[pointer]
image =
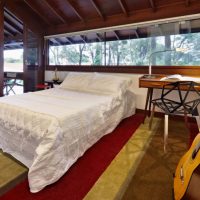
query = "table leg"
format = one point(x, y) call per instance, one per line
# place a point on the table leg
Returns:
point(148, 102)
point(150, 99)
point(147, 98)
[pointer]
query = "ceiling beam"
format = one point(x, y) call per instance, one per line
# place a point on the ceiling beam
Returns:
point(54, 40)
point(60, 41)
point(13, 46)
point(70, 40)
point(9, 30)
point(6, 32)
point(30, 4)
point(50, 43)
point(116, 35)
point(28, 17)
point(100, 38)
point(83, 37)
point(8, 21)
point(57, 41)
point(97, 9)
point(123, 7)
point(75, 10)
point(134, 17)
point(152, 3)
point(57, 13)
point(8, 14)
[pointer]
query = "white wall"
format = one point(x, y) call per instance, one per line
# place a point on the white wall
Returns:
point(139, 92)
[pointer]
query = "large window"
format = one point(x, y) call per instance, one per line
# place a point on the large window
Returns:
point(132, 46)
point(77, 54)
point(13, 60)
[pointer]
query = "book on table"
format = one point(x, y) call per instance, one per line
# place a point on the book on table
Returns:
point(178, 77)
point(173, 77)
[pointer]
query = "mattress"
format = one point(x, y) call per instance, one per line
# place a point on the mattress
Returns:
point(49, 130)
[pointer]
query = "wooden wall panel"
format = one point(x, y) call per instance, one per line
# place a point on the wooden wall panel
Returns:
point(1, 45)
point(41, 59)
point(184, 70)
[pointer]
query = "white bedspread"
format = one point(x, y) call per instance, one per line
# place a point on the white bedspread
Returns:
point(49, 130)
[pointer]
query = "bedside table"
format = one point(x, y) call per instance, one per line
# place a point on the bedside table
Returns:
point(42, 87)
point(51, 83)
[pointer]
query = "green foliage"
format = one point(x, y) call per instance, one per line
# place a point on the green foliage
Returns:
point(131, 52)
point(98, 55)
point(12, 60)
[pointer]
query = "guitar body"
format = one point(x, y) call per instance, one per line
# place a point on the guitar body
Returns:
point(184, 171)
point(193, 191)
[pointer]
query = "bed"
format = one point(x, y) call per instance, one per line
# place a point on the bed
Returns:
point(49, 130)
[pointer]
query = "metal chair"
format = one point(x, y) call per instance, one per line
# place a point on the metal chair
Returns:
point(182, 104)
point(10, 81)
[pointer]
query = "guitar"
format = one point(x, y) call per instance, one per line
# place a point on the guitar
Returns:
point(184, 171)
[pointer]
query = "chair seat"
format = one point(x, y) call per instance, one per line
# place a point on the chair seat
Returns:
point(169, 106)
point(182, 104)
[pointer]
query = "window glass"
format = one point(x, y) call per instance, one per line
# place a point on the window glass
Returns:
point(13, 60)
point(167, 44)
point(77, 54)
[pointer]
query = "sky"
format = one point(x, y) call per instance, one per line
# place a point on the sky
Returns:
point(15, 53)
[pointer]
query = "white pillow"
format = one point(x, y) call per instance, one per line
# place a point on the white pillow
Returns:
point(77, 81)
point(103, 83)
point(95, 82)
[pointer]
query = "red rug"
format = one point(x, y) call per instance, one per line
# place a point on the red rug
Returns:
point(76, 183)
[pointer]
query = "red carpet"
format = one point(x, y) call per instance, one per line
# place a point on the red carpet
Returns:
point(75, 184)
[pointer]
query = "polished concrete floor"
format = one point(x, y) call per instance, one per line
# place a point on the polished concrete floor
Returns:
point(141, 170)
point(154, 176)
point(11, 172)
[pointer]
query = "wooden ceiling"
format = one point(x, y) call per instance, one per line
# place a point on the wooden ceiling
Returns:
point(51, 17)
point(13, 31)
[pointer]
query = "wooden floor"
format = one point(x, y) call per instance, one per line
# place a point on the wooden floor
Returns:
point(154, 176)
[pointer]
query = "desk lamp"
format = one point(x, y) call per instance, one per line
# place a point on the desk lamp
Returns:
point(155, 52)
point(55, 78)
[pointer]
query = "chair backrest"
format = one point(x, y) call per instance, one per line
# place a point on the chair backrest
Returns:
point(182, 104)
